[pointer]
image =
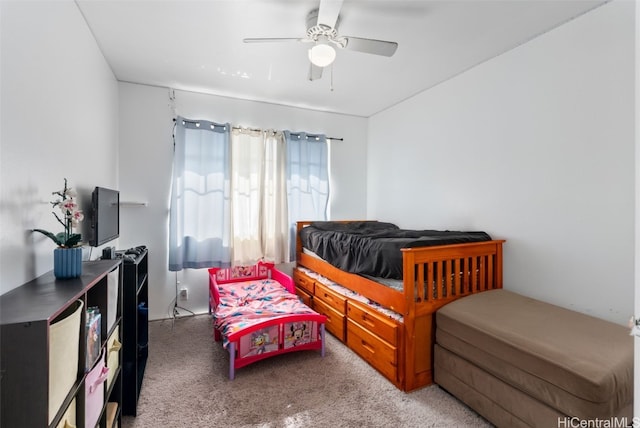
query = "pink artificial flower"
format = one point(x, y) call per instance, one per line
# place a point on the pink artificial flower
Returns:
point(68, 206)
point(76, 217)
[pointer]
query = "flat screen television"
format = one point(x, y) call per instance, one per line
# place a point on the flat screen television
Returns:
point(105, 218)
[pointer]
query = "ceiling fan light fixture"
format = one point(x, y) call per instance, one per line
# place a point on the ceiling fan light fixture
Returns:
point(322, 54)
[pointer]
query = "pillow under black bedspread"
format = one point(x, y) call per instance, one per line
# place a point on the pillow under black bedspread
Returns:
point(373, 248)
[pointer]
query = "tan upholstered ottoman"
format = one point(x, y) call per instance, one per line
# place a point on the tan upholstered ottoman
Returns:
point(522, 362)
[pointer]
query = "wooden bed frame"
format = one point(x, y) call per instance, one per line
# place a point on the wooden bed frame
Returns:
point(276, 326)
point(479, 265)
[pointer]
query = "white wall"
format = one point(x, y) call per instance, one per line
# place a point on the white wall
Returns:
point(536, 147)
point(58, 119)
point(636, 355)
point(146, 150)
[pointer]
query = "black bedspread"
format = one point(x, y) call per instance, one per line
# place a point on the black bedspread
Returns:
point(373, 248)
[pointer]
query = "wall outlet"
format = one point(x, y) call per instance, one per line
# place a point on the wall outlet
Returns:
point(184, 293)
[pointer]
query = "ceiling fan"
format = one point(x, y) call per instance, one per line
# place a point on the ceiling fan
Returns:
point(322, 32)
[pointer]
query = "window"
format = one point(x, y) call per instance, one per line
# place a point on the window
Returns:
point(237, 194)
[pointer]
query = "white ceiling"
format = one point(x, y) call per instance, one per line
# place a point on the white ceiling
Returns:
point(198, 45)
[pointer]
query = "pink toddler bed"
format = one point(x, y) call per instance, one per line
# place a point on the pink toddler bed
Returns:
point(257, 314)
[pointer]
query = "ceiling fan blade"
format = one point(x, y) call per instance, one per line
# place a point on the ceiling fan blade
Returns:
point(372, 46)
point(328, 12)
point(275, 39)
point(315, 72)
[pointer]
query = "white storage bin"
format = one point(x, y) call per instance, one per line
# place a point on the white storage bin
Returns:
point(113, 354)
point(112, 297)
point(64, 340)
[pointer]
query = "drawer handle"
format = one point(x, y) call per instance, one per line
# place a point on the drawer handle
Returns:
point(115, 347)
point(103, 376)
point(367, 321)
point(368, 347)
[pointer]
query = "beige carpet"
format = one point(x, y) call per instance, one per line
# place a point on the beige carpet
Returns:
point(186, 385)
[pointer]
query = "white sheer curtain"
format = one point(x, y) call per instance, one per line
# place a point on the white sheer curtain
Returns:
point(199, 218)
point(258, 195)
point(275, 226)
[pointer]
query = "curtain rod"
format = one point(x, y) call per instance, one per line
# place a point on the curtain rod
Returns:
point(328, 138)
point(256, 129)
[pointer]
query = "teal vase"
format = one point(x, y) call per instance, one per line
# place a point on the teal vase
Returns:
point(67, 262)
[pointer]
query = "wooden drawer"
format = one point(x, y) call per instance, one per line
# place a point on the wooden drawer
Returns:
point(368, 318)
point(303, 281)
point(374, 350)
point(331, 298)
point(335, 320)
point(306, 297)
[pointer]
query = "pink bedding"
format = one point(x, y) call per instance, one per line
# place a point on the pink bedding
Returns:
point(243, 304)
